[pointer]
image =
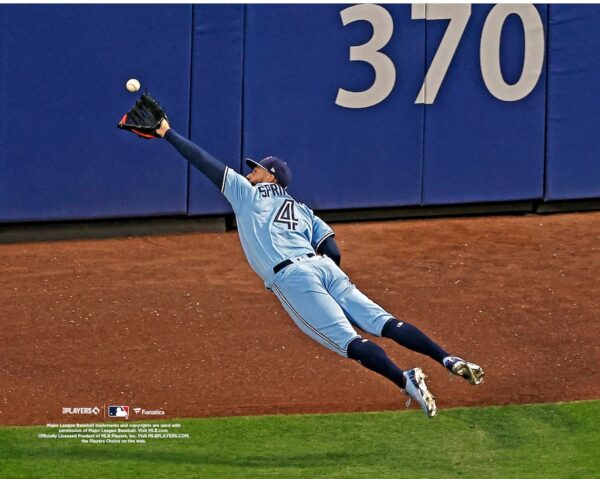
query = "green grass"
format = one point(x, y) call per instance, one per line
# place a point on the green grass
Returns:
point(533, 441)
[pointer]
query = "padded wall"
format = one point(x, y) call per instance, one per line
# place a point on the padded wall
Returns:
point(62, 75)
point(258, 80)
point(479, 148)
point(296, 59)
point(573, 165)
point(216, 97)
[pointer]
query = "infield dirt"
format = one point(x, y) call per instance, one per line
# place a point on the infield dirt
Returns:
point(183, 324)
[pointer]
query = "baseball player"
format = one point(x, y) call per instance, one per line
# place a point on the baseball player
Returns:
point(296, 255)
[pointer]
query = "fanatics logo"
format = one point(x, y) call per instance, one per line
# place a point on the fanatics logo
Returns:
point(153, 412)
point(149, 412)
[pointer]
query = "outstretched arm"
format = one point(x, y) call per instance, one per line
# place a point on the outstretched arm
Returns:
point(204, 161)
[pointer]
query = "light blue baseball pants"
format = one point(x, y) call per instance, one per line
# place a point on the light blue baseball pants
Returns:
point(325, 305)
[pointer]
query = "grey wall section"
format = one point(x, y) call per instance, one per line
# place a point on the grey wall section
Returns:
point(573, 156)
point(296, 59)
point(216, 97)
point(62, 76)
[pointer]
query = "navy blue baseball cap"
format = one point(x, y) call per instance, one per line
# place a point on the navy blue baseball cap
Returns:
point(276, 166)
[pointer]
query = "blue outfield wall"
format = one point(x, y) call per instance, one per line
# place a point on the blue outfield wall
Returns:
point(332, 89)
point(62, 74)
point(340, 157)
point(216, 97)
point(479, 148)
point(573, 154)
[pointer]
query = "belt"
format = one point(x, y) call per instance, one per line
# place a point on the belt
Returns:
point(284, 264)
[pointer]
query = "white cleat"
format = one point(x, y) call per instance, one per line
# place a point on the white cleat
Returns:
point(470, 371)
point(417, 389)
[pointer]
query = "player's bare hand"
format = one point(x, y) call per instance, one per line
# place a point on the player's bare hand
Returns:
point(164, 127)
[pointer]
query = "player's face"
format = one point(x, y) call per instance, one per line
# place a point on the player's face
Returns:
point(260, 175)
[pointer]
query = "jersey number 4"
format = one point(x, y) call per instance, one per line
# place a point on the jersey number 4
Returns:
point(287, 215)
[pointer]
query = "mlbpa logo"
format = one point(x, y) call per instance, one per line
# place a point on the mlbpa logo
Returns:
point(81, 410)
point(118, 411)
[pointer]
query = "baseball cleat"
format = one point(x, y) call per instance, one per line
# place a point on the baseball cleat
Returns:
point(470, 371)
point(417, 389)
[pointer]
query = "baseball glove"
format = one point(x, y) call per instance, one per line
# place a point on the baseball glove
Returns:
point(144, 118)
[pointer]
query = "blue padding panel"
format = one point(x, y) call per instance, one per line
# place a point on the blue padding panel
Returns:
point(479, 148)
point(216, 97)
point(62, 71)
point(573, 158)
point(296, 58)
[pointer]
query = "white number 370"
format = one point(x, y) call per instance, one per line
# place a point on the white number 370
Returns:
point(458, 14)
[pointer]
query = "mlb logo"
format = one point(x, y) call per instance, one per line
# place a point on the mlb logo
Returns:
point(118, 411)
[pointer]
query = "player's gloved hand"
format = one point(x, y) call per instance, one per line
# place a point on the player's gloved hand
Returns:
point(145, 118)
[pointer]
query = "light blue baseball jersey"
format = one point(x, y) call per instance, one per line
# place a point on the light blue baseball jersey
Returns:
point(272, 226)
point(316, 293)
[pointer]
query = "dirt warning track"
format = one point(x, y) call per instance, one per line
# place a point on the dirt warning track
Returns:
point(183, 324)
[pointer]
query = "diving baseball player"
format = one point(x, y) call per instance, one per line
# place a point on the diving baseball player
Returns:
point(295, 254)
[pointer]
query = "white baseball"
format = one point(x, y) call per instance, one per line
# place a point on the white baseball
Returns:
point(132, 85)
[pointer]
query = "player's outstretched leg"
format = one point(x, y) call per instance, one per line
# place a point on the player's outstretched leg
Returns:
point(411, 337)
point(414, 339)
point(373, 357)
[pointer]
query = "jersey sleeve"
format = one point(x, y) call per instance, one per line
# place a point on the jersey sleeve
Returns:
point(321, 231)
point(236, 188)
